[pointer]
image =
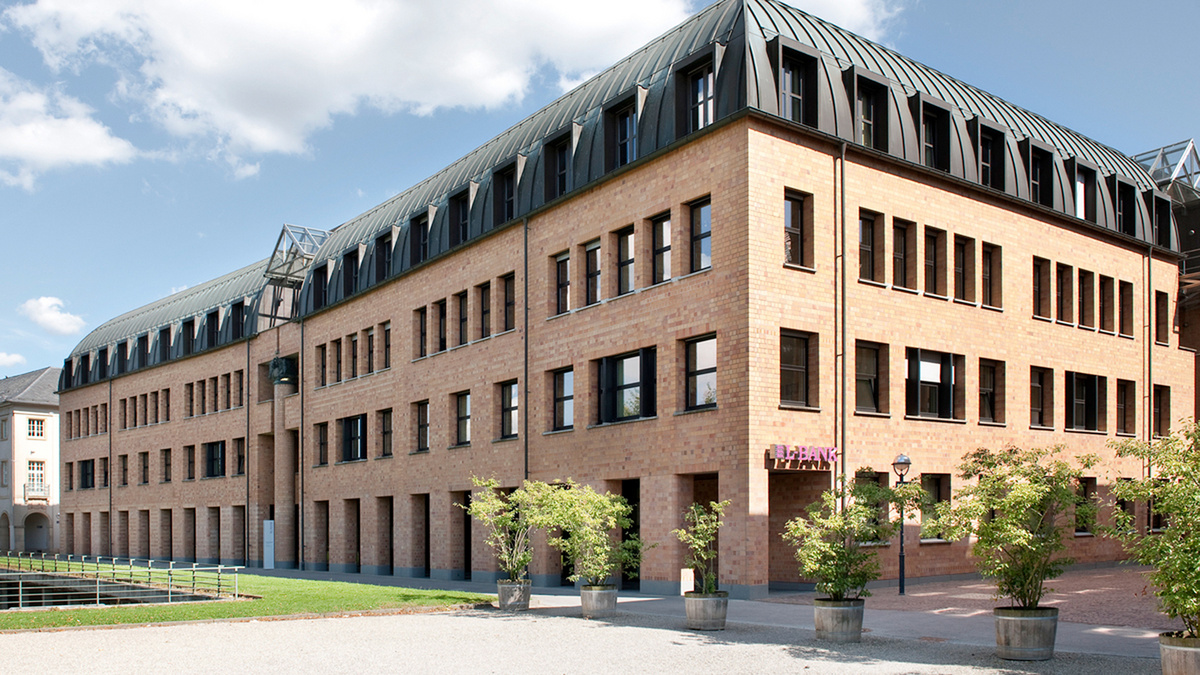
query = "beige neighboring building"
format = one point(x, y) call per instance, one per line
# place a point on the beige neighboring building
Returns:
point(29, 461)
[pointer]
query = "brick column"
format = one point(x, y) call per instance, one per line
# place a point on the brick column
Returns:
point(285, 481)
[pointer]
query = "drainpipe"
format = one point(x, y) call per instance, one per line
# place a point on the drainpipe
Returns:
point(108, 429)
point(842, 303)
point(246, 454)
point(1148, 469)
point(300, 451)
point(525, 347)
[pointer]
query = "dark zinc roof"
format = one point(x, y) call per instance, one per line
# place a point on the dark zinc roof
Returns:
point(35, 387)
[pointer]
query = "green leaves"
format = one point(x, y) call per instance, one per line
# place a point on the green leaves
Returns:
point(700, 536)
point(1015, 502)
point(1173, 490)
point(509, 526)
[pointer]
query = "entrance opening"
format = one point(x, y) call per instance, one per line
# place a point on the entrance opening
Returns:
point(37, 532)
point(387, 549)
point(631, 490)
point(788, 493)
point(353, 538)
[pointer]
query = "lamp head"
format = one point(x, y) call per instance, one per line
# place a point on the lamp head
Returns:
point(901, 465)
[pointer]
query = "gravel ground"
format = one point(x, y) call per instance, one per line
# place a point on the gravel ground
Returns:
point(489, 641)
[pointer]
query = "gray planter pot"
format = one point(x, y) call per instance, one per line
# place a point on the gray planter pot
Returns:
point(514, 596)
point(1025, 634)
point(706, 611)
point(838, 620)
point(598, 602)
point(1180, 656)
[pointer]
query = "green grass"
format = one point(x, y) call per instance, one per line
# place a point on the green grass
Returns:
point(279, 597)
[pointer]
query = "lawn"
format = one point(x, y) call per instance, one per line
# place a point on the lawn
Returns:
point(277, 597)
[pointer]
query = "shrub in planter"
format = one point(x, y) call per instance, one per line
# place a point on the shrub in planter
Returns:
point(581, 524)
point(507, 519)
point(705, 605)
point(829, 543)
point(1016, 503)
point(1173, 490)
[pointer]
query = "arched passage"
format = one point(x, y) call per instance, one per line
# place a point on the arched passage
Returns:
point(5, 533)
point(37, 532)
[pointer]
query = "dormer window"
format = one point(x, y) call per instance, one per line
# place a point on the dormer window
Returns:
point(318, 288)
point(558, 168)
point(870, 114)
point(935, 137)
point(505, 189)
point(1085, 193)
point(418, 239)
point(701, 95)
point(991, 158)
point(620, 129)
point(1126, 208)
point(460, 218)
point(793, 90)
point(349, 273)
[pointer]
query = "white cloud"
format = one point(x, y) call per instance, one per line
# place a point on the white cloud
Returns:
point(9, 360)
point(869, 18)
point(43, 129)
point(47, 313)
point(259, 77)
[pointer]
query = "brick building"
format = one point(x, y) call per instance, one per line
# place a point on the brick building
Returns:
point(641, 287)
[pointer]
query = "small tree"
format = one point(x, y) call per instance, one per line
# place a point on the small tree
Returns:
point(509, 526)
point(1016, 503)
point(1173, 490)
point(700, 536)
point(829, 539)
point(581, 524)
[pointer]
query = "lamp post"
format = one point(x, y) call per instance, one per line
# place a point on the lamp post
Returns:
point(901, 465)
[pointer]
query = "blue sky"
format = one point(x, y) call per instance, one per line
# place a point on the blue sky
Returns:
point(149, 146)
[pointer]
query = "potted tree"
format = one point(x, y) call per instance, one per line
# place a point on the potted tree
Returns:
point(829, 543)
point(581, 523)
point(1173, 549)
point(1015, 503)
point(706, 606)
point(507, 519)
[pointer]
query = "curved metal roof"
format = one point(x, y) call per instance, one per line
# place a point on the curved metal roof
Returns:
point(194, 301)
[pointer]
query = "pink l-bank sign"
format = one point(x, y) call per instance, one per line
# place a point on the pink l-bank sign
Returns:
point(804, 453)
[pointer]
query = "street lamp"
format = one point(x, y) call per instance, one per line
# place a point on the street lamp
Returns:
point(901, 465)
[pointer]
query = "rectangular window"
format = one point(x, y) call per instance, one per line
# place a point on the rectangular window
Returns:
point(564, 399)
point(701, 98)
point(1087, 299)
point(1041, 397)
point(1162, 318)
point(510, 301)
point(87, 474)
point(933, 388)
point(439, 309)
point(68, 474)
point(866, 247)
point(793, 78)
point(991, 391)
point(349, 273)
point(37, 427)
point(1126, 308)
point(872, 115)
point(1162, 410)
point(558, 168)
point(937, 487)
point(387, 345)
point(239, 454)
point(102, 362)
point(935, 132)
point(354, 438)
point(370, 349)
point(990, 276)
point(462, 418)
point(189, 452)
point(460, 218)
point(352, 348)
point(505, 196)
point(322, 367)
point(37, 476)
point(164, 345)
point(1085, 194)
point(1041, 288)
point(385, 432)
point(421, 426)
point(187, 336)
point(701, 236)
point(320, 282)
point(336, 347)
point(1085, 523)
point(508, 409)
point(418, 239)
point(935, 262)
point(1126, 407)
point(627, 386)
point(702, 373)
point(794, 369)
point(237, 318)
point(103, 472)
point(460, 302)
point(1064, 291)
point(592, 274)
point(144, 466)
point(166, 465)
point(562, 274)
point(1125, 196)
point(901, 253)
point(124, 470)
point(661, 227)
point(143, 351)
point(421, 317)
point(383, 257)
point(868, 394)
point(991, 158)
point(1107, 316)
point(122, 358)
point(625, 258)
point(964, 269)
point(321, 432)
point(1041, 170)
point(484, 293)
point(214, 459)
point(212, 326)
point(795, 240)
point(624, 128)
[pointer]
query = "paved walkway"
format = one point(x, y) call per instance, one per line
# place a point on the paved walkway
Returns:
point(1103, 611)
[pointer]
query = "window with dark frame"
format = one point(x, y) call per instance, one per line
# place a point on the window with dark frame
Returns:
point(1085, 522)
point(931, 387)
point(1064, 291)
point(509, 409)
point(558, 168)
point(1126, 308)
point(793, 230)
point(1040, 172)
point(505, 196)
point(124, 470)
point(510, 301)
point(320, 283)
point(1162, 318)
point(422, 316)
point(352, 345)
point(866, 246)
point(625, 261)
point(564, 399)
point(866, 377)
point(370, 349)
point(702, 373)
point(935, 132)
point(166, 465)
point(350, 273)
point(900, 243)
point(1085, 194)
point(421, 419)
point(1126, 407)
point(460, 218)
point(239, 457)
point(87, 474)
point(562, 274)
point(793, 369)
point(485, 310)
point(990, 276)
point(462, 416)
point(383, 257)
point(661, 229)
point(701, 98)
point(103, 472)
point(387, 345)
point(991, 158)
point(592, 273)
point(322, 366)
point(1126, 208)
point(1107, 318)
point(189, 452)
point(336, 346)
point(961, 286)
point(872, 115)
point(1162, 411)
point(354, 438)
point(794, 79)
point(418, 242)
point(214, 459)
point(439, 309)
point(988, 409)
point(701, 213)
point(937, 487)
point(624, 125)
point(627, 386)
point(1087, 299)
point(164, 345)
point(144, 468)
point(122, 358)
point(933, 282)
point(1041, 398)
point(1041, 288)
point(385, 433)
point(460, 301)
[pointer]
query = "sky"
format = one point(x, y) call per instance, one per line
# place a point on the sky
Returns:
point(149, 146)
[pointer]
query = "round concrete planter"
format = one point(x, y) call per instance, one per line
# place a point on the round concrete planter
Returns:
point(706, 611)
point(514, 595)
point(1025, 634)
point(838, 620)
point(1180, 655)
point(598, 602)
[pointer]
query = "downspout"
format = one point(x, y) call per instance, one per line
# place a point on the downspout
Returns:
point(108, 430)
point(1151, 321)
point(525, 346)
point(300, 451)
point(842, 302)
point(246, 454)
